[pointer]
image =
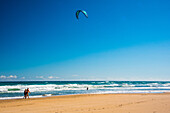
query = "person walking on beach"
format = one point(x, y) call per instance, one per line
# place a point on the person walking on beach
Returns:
point(25, 93)
point(28, 91)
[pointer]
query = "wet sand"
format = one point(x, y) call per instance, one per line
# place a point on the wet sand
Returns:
point(90, 103)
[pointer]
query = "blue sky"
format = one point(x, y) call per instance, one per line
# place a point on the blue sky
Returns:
point(121, 40)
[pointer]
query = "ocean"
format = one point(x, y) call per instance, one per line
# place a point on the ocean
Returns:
point(15, 90)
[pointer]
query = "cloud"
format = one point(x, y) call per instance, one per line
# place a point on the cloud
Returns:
point(3, 76)
point(22, 77)
point(12, 76)
point(51, 77)
point(39, 77)
point(8, 77)
point(75, 75)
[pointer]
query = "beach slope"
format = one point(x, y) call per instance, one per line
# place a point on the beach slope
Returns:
point(90, 103)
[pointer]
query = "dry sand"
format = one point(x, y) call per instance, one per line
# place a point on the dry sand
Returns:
point(90, 103)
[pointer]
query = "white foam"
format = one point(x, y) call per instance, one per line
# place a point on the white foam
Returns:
point(47, 95)
point(128, 85)
point(167, 84)
point(135, 91)
point(96, 89)
point(19, 97)
point(54, 87)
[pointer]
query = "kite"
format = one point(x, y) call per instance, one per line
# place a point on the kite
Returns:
point(84, 12)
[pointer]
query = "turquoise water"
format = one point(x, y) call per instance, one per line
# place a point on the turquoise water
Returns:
point(12, 90)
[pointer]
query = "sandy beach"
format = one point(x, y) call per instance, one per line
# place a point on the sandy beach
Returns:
point(90, 103)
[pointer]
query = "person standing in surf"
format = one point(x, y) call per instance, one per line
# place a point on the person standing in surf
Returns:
point(25, 93)
point(28, 91)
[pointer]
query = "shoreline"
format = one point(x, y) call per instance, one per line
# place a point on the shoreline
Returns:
point(91, 103)
point(41, 96)
point(80, 95)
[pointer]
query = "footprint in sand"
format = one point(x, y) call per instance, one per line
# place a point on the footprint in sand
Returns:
point(120, 105)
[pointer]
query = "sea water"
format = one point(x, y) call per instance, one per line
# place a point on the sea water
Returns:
point(15, 90)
